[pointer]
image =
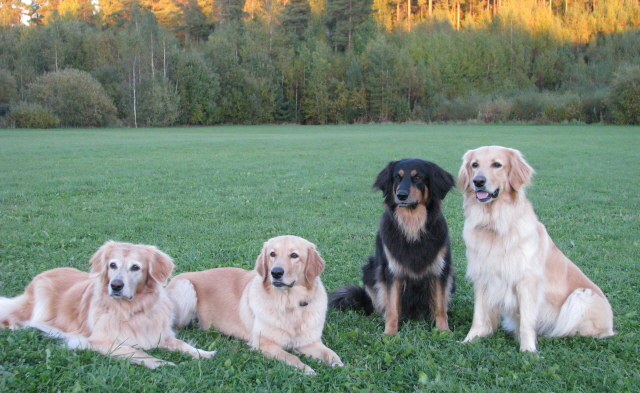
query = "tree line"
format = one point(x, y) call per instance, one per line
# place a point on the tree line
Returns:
point(166, 62)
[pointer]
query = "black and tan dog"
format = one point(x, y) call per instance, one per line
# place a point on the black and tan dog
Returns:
point(411, 274)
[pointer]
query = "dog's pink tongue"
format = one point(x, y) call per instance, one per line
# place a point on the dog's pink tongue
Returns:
point(482, 195)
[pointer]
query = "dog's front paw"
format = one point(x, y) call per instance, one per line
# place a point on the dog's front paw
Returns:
point(476, 332)
point(392, 331)
point(206, 354)
point(470, 337)
point(527, 348)
point(308, 370)
point(155, 363)
point(337, 363)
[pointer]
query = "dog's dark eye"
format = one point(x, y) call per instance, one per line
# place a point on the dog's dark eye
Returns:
point(418, 177)
point(398, 177)
point(496, 165)
point(135, 268)
point(293, 255)
point(273, 254)
point(474, 165)
point(113, 265)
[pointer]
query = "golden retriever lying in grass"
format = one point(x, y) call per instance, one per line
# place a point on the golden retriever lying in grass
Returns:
point(117, 309)
point(279, 306)
point(516, 269)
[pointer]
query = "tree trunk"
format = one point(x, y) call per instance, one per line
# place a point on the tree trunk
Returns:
point(135, 109)
point(153, 68)
point(408, 15)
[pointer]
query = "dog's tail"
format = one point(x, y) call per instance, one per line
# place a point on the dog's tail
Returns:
point(585, 313)
point(351, 297)
point(184, 299)
point(15, 312)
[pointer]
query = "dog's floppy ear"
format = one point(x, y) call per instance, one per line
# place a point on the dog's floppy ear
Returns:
point(464, 175)
point(314, 267)
point(384, 181)
point(262, 263)
point(160, 265)
point(98, 266)
point(441, 181)
point(521, 172)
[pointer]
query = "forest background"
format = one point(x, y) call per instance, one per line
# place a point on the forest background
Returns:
point(83, 63)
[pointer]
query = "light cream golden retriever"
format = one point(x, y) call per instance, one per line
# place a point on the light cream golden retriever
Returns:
point(118, 309)
point(279, 306)
point(516, 269)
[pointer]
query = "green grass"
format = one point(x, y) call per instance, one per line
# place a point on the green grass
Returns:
point(210, 197)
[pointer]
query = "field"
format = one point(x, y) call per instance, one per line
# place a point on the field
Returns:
point(210, 197)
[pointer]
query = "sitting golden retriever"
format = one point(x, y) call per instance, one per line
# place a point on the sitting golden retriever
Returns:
point(279, 306)
point(117, 309)
point(517, 270)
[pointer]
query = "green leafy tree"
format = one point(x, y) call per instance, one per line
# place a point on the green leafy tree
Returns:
point(380, 79)
point(145, 52)
point(247, 76)
point(625, 95)
point(159, 103)
point(8, 87)
point(75, 96)
point(316, 99)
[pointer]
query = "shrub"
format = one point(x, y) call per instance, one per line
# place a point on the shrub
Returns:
point(527, 106)
point(496, 110)
point(26, 115)
point(595, 108)
point(625, 95)
point(75, 97)
point(558, 108)
point(461, 108)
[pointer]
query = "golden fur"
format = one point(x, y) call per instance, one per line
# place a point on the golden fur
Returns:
point(117, 309)
point(279, 306)
point(516, 269)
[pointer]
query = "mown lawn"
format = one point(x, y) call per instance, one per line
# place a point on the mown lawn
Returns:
point(210, 197)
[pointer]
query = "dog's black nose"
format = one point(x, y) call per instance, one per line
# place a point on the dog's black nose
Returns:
point(479, 181)
point(117, 285)
point(402, 195)
point(277, 272)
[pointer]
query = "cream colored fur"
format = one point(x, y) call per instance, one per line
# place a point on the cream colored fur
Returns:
point(84, 309)
point(247, 305)
point(516, 269)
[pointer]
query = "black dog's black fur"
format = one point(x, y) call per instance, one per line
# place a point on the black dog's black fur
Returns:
point(416, 254)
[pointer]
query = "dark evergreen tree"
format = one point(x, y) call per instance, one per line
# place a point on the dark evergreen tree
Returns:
point(294, 18)
point(198, 88)
point(191, 23)
point(342, 17)
point(285, 109)
point(231, 10)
